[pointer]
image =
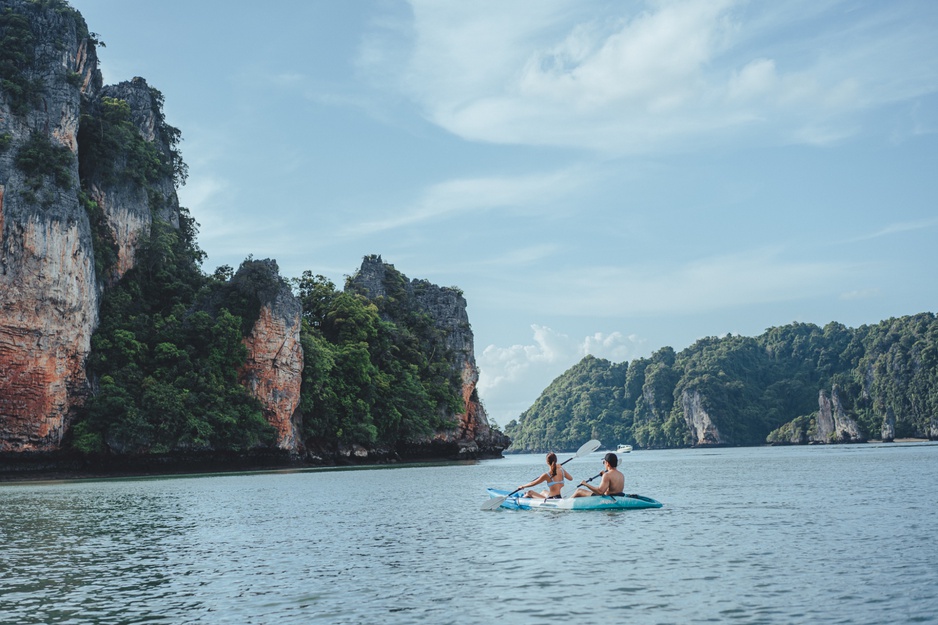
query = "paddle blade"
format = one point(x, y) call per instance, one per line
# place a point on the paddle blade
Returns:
point(588, 447)
point(492, 504)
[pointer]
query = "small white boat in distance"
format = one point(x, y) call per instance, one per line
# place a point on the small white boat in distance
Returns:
point(623, 449)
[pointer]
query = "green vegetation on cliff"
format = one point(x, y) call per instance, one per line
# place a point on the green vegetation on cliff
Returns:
point(113, 149)
point(40, 159)
point(22, 30)
point(752, 390)
point(166, 355)
point(376, 372)
point(166, 368)
point(17, 54)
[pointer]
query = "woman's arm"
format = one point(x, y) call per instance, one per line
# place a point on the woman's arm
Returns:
point(544, 477)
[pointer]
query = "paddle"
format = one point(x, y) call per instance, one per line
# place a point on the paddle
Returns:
point(587, 448)
point(593, 478)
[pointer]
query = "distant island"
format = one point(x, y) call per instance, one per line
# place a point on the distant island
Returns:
point(794, 384)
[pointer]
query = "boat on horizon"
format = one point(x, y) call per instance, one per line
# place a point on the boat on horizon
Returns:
point(623, 449)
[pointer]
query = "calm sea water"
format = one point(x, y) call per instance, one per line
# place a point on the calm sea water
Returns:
point(843, 534)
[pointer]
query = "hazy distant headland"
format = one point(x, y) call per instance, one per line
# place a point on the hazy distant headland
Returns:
point(794, 384)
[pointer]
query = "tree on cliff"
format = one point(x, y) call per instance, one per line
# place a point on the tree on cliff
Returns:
point(368, 380)
point(166, 368)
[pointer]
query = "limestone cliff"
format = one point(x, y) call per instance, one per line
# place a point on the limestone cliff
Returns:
point(48, 291)
point(56, 183)
point(699, 424)
point(87, 173)
point(274, 368)
point(833, 424)
point(830, 424)
point(472, 434)
point(130, 201)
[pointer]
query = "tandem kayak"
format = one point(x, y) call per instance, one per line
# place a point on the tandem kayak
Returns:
point(605, 502)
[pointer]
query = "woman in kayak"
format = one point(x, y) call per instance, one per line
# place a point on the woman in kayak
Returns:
point(554, 477)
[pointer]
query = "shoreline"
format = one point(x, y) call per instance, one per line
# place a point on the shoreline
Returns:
point(64, 466)
point(35, 467)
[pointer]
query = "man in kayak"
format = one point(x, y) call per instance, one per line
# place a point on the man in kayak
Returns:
point(613, 481)
point(554, 477)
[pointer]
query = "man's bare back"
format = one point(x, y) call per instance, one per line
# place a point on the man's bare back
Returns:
point(613, 482)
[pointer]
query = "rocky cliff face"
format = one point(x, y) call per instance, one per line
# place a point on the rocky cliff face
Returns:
point(48, 291)
point(86, 170)
point(447, 307)
point(699, 423)
point(129, 204)
point(830, 424)
point(833, 424)
point(274, 368)
point(49, 283)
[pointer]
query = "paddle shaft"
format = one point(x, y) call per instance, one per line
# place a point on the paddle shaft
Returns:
point(593, 478)
point(587, 448)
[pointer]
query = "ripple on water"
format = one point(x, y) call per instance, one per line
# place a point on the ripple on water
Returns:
point(746, 536)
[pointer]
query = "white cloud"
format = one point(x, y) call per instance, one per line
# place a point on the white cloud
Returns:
point(756, 80)
point(453, 197)
point(513, 377)
point(637, 78)
point(616, 346)
point(897, 228)
point(653, 60)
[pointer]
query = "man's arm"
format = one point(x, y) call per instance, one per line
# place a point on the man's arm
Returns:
point(603, 487)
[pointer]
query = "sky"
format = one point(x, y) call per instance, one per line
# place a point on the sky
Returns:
point(603, 177)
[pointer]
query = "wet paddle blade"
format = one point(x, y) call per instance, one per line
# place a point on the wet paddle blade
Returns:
point(585, 449)
point(491, 504)
point(588, 447)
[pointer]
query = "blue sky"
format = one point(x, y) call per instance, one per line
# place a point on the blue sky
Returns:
point(604, 177)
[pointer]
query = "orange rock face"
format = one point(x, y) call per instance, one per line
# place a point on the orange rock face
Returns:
point(47, 314)
point(48, 291)
point(274, 369)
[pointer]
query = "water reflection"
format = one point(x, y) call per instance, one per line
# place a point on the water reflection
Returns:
point(751, 535)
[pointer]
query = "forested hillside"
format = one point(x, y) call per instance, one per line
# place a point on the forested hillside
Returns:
point(115, 344)
point(376, 371)
point(798, 383)
point(169, 349)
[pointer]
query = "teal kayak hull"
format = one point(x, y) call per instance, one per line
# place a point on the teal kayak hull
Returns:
point(606, 502)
